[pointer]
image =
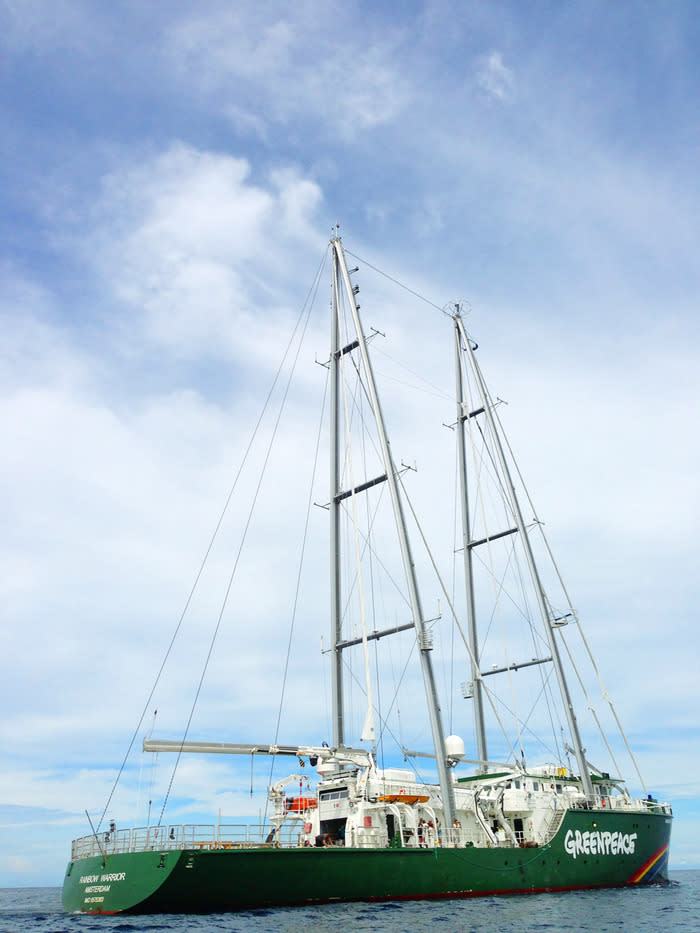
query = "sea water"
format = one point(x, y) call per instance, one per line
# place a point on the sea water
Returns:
point(652, 909)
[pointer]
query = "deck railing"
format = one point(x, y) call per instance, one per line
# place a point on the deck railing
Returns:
point(182, 836)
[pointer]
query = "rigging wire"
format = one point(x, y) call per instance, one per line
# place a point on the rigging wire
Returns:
point(302, 320)
point(455, 549)
point(216, 532)
point(384, 720)
point(379, 701)
point(369, 519)
point(604, 691)
point(452, 610)
point(368, 731)
point(199, 573)
point(298, 580)
point(208, 550)
point(593, 711)
point(431, 390)
point(397, 282)
point(525, 728)
point(368, 546)
point(496, 584)
point(537, 641)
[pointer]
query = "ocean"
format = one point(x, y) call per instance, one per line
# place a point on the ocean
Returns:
point(652, 909)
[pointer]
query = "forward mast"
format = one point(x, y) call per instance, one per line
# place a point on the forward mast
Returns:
point(341, 280)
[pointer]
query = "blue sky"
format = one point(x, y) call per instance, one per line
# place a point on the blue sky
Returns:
point(169, 176)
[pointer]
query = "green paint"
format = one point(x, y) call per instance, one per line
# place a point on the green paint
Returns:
point(191, 881)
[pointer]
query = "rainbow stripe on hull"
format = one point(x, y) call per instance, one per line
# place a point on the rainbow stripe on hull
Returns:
point(654, 869)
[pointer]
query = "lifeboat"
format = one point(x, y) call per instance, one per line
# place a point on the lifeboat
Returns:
point(405, 798)
point(299, 804)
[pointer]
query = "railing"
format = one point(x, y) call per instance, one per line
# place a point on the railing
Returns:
point(651, 804)
point(473, 835)
point(183, 836)
point(554, 823)
point(619, 802)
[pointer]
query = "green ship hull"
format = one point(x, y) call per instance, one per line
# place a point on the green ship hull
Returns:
point(591, 849)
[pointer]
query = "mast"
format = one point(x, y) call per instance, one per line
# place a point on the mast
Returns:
point(336, 611)
point(487, 405)
point(422, 638)
point(477, 689)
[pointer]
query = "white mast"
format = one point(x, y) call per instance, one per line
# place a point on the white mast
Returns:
point(422, 637)
point(477, 686)
point(336, 611)
point(549, 622)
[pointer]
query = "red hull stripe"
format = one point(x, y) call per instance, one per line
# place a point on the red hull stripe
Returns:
point(650, 864)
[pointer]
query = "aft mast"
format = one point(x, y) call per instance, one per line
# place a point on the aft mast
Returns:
point(342, 275)
point(549, 622)
point(477, 687)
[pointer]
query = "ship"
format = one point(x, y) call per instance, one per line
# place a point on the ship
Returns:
point(353, 823)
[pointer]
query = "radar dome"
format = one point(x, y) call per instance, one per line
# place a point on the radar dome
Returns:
point(454, 746)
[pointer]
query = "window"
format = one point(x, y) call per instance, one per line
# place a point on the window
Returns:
point(337, 794)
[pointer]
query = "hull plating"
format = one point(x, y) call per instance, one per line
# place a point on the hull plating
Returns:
point(591, 849)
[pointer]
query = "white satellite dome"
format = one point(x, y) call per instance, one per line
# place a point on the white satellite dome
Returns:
point(454, 747)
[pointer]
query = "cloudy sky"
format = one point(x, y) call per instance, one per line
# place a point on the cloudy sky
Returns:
point(169, 178)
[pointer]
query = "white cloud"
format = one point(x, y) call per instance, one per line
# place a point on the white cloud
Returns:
point(237, 55)
point(110, 492)
point(189, 242)
point(493, 77)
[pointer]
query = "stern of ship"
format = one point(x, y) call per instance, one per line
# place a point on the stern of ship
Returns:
point(115, 883)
